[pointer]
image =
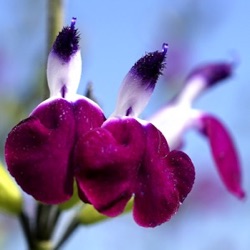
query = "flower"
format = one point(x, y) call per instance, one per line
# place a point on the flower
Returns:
point(178, 116)
point(67, 138)
point(38, 150)
point(131, 157)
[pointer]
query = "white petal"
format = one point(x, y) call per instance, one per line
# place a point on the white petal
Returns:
point(63, 76)
point(173, 121)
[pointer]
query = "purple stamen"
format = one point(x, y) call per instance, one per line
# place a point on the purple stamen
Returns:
point(165, 48)
point(63, 91)
point(129, 111)
point(73, 22)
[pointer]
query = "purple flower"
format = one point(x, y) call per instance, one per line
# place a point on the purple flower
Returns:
point(177, 117)
point(67, 138)
point(38, 150)
point(128, 157)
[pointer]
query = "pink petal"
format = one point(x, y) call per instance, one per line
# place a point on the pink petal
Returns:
point(164, 180)
point(106, 162)
point(37, 152)
point(224, 154)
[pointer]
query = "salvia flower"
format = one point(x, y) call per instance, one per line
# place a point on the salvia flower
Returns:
point(38, 150)
point(178, 116)
point(67, 138)
point(128, 157)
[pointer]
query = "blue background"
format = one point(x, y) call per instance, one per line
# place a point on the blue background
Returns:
point(114, 35)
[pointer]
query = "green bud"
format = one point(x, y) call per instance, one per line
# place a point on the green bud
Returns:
point(74, 200)
point(89, 215)
point(10, 196)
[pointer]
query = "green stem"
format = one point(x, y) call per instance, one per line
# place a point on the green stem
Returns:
point(55, 23)
point(73, 225)
point(54, 217)
point(42, 222)
point(24, 221)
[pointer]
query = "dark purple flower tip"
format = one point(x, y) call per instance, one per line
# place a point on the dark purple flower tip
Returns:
point(224, 154)
point(149, 67)
point(67, 42)
point(212, 73)
point(39, 150)
point(139, 83)
point(106, 161)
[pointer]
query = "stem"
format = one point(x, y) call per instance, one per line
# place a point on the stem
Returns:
point(55, 23)
point(54, 217)
point(24, 221)
point(73, 225)
point(42, 222)
point(55, 17)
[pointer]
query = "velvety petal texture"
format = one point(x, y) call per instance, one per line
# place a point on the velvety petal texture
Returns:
point(38, 150)
point(224, 153)
point(106, 162)
point(125, 158)
point(164, 180)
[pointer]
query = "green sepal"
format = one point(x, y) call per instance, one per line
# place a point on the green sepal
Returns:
point(11, 199)
point(74, 200)
point(89, 215)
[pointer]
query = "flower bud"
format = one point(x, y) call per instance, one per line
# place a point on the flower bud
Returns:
point(10, 196)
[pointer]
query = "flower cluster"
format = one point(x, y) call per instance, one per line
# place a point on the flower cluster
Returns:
point(67, 139)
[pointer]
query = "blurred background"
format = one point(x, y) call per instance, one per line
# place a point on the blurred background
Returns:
point(114, 34)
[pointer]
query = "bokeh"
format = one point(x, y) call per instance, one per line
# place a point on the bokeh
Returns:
point(114, 34)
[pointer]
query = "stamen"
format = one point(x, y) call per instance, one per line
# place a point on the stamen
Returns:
point(73, 22)
point(63, 91)
point(129, 111)
point(165, 48)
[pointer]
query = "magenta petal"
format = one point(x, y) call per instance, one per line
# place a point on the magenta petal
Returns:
point(106, 162)
point(184, 172)
point(224, 154)
point(37, 152)
point(87, 116)
point(164, 180)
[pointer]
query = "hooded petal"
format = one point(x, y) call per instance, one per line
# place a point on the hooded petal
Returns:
point(202, 78)
point(163, 182)
point(37, 152)
point(139, 83)
point(106, 162)
point(211, 73)
point(224, 153)
point(64, 63)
